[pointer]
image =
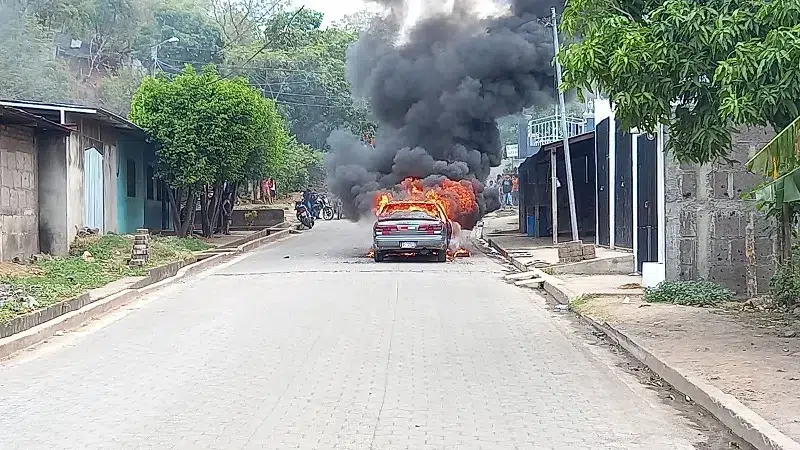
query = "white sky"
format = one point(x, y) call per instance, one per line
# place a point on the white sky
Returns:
point(336, 9)
point(333, 9)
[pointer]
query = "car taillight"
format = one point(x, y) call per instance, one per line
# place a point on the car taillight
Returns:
point(385, 229)
point(430, 229)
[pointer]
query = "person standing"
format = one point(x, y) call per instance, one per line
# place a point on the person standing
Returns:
point(507, 187)
point(264, 186)
point(499, 185)
point(273, 190)
point(227, 214)
point(515, 190)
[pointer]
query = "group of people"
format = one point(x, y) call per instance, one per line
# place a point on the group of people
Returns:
point(267, 190)
point(508, 189)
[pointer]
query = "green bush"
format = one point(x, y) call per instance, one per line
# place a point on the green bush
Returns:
point(689, 293)
point(784, 287)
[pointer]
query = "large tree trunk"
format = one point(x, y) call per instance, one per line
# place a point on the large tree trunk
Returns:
point(182, 211)
point(216, 204)
point(210, 208)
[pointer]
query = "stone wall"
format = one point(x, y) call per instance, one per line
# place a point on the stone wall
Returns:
point(711, 233)
point(19, 223)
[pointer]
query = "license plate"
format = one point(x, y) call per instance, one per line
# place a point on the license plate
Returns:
point(408, 245)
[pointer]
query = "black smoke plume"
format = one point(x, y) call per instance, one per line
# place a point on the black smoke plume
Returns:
point(437, 97)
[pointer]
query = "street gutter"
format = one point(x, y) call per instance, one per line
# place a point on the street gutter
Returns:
point(741, 420)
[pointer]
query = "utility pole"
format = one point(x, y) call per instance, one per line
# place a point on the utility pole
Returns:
point(554, 194)
point(567, 161)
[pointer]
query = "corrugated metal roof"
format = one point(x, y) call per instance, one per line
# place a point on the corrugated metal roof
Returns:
point(19, 117)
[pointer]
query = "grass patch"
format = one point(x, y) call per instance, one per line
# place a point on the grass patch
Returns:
point(688, 293)
point(57, 279)
point(578, 303)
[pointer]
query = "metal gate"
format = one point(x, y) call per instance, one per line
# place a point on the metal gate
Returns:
point(647, 209)
point(601, 158)
point(623, 190)
point(93, 189)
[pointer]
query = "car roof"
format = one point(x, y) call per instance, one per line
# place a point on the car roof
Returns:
point(426, 202)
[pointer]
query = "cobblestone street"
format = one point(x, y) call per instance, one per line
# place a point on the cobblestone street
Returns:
point(308, 344)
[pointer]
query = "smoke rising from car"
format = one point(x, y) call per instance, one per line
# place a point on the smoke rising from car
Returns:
point(437, 96)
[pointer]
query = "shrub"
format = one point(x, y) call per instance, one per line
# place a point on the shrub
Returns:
point(784, 287)
point(689, 293)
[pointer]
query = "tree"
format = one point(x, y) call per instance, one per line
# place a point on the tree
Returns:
point(296, 170)
point(115, 91)
point(59, 15)
point(199, 40)
point(207, 129)
point(361, 21)
point(239, 20)
point(29, 70)
point(112, 27)
point(302, 68)
point(701, 68)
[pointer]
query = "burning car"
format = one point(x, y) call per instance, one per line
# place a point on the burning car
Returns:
point(411, 227)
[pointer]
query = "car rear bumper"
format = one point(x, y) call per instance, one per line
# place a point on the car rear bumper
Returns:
point(394, 243)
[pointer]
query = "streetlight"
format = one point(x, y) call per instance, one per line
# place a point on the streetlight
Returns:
point(154, 51)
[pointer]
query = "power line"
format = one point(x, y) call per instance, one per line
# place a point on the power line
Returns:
point(326, 97)
point(231, 66)
point(285, 102)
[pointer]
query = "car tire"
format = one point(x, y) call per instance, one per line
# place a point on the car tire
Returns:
point(442, 256)
point(378, 257)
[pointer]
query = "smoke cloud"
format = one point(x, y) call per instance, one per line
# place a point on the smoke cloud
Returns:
point(437, 97)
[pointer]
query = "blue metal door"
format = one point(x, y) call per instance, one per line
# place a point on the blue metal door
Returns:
point(93, 189)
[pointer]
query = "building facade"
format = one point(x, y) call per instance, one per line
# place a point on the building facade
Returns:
point(93, 177)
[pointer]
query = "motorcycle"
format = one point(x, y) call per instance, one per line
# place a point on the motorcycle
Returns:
point(323, 207)
point(303, 215)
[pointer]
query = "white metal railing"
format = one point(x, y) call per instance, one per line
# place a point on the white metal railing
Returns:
point(548, 129)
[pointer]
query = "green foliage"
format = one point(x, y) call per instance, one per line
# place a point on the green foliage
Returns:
point(701, 68)
point(302, 68)
point(294, 172)
point(688, 293)
point(58, 279)
point(199, 40)
point(784, 287)
point(114, 92)
point(29, 69)
point(207, 128)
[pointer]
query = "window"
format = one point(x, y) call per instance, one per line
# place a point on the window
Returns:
point(131, 178)
point(151, 183)
point(161, 191)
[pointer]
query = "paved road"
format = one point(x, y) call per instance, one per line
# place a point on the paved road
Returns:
point(325, 349)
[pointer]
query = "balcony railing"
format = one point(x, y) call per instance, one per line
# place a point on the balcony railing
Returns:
point(548, 129)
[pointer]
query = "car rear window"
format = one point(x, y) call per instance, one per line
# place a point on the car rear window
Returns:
point(407, 215)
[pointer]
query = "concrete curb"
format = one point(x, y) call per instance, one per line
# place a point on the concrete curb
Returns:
point(113, 300)
point(741, 420)
point(552, 285)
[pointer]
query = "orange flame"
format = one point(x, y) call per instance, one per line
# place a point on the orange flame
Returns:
point(457, 198)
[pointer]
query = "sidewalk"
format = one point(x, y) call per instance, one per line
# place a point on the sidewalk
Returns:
point(741, 364)
point(70, 308)
point(753, 356)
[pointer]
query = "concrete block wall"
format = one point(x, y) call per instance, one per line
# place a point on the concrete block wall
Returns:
point(19, 200)
point(711, 233)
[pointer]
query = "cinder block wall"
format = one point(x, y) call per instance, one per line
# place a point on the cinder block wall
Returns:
point(19, 221)
point(711, 233)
